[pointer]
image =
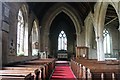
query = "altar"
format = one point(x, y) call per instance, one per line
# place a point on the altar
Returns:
point(62, 54)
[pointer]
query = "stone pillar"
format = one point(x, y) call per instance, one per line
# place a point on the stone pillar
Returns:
point(46, 44)
point(119, 15)
point(77, 42)
point(89, 34)
point(0, 35)
point(30, 46)
point(78, 39)
point(99, 18)
point(119, 23)
point(100, 49)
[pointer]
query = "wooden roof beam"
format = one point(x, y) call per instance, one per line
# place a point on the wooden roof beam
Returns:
point(111, 21)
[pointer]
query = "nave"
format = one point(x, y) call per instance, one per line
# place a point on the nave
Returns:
point(35, 36)
point(42, 69)
point(52, 69)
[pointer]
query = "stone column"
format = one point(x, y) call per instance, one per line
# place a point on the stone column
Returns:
point(77, 42)
point(29, 46)
point(99, 18)
point(78, 39)
point(89, 34)
point(119, 22)
point(0, 35)
point(100, 49)
point(119, 15)
point(46, 44)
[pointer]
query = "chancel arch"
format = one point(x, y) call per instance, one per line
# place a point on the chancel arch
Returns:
point(22, 32)
point(62, 30)
point(52, 13)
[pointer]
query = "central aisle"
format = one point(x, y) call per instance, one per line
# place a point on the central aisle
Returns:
point(62, 71)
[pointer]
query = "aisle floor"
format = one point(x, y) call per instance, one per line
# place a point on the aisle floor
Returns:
point(62, 71)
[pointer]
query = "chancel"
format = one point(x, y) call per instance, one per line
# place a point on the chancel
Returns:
point(62, 45)
point(60, 40)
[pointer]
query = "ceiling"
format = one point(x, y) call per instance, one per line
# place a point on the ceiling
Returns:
point(111, 17)
point(40, 8)
point(83, 8)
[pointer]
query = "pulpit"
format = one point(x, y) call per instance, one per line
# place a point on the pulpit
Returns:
point(82, 52)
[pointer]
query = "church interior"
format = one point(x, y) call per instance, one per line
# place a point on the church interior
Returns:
point(60, 40)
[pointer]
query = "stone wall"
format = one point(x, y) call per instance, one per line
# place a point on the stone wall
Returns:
point(9, 32)
point(0, 35)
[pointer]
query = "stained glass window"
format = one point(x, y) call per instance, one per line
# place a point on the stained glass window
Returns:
point(62, 41)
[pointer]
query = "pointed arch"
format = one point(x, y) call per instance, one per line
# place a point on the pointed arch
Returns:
point(22, 31)
point(35, 42)
point(99, 20)
point(52, 13)
point(100, 13)
point(90, 38)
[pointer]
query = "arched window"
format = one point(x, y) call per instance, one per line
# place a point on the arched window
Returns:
point(107, 42)
point(22, 35)
point(35, 44)
point(62, 41)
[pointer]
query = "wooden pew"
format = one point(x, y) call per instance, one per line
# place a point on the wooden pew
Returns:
point(97, 70)
point(37, 70)
point(84, 73)
point(42, 67)
point(22, 75)
point(49, 65)
point(117, 76)
point(98, 76)
point(11, 78)
point(89, 75)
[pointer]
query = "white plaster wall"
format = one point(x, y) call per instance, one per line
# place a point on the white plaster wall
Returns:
point(92, 54)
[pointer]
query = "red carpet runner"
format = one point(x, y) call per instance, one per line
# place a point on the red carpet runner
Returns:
point(62, 72)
